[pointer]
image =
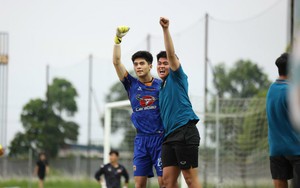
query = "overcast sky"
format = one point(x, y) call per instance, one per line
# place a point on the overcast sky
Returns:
point(62, 34)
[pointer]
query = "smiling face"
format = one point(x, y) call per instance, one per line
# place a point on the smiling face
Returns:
point(141, 67)
point(163, 67)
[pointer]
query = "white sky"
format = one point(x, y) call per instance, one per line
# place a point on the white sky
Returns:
point(62, 33)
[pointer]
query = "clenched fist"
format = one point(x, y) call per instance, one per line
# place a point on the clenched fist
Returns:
point(120, 33)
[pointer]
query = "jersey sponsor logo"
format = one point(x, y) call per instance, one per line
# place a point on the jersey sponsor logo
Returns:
point(146, 102)
point(145, 108)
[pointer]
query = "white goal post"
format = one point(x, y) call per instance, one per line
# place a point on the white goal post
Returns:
point(107, 126)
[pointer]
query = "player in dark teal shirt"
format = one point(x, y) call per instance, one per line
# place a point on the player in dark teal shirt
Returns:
point(284, 141)
point(181, 143)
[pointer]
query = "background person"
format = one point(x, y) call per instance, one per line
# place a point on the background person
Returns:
point(284, 141)
point(41, 169)
point(112, 172)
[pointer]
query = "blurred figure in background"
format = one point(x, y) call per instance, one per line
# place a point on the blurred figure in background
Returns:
point(112, 172)
point(2, 150)
point(41, 169)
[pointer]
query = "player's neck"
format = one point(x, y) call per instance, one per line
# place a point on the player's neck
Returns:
point(281, 77)
point(146, 79)
point(114, 164)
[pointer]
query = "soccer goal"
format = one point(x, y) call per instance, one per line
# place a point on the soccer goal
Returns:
point(108, 124)
point(233, 147)
point(239, 139)
point(117, 114)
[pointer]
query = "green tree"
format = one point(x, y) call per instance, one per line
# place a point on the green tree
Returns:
point(61, 96)
point(44, 127)
point(244, 80)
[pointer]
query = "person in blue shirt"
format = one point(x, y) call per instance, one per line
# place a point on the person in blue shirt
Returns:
point(181, 141)
point(284, 141)
point(143, 93)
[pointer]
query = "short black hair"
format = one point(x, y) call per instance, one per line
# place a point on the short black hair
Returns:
point(282, 64)
point(114, 152)
point(163, 54)
point(143, 54)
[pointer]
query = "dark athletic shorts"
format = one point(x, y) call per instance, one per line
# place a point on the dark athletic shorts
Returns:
point(285, 168)
point(181, 147)
point(41, 176)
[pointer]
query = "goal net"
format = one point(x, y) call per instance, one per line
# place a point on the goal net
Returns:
point(233, 147)
point(238, 133)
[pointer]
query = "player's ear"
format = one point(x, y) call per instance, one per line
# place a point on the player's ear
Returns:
point(150, 66)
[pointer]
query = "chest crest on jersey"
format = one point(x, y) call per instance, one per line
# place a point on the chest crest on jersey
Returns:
point(146, 100)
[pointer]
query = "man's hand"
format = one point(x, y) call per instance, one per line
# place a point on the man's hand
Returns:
point(103, 184)
point(120, 33)
point(164, 22)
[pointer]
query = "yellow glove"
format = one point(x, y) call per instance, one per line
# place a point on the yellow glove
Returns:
point(121, 32)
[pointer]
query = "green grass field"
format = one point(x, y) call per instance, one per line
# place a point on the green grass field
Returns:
point(23, 183)
point(55, 183)
point(76, 183)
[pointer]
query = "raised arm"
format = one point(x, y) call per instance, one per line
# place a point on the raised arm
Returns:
point(172, 58)
point(120, 68)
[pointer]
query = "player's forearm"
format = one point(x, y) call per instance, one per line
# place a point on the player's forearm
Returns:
point(174, 63)
point(120, 69)
point(168, 42)
point(117, 54)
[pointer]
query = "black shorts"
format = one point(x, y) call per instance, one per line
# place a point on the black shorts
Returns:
point(41, 176)
point(181, 147)
point(285, 168)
